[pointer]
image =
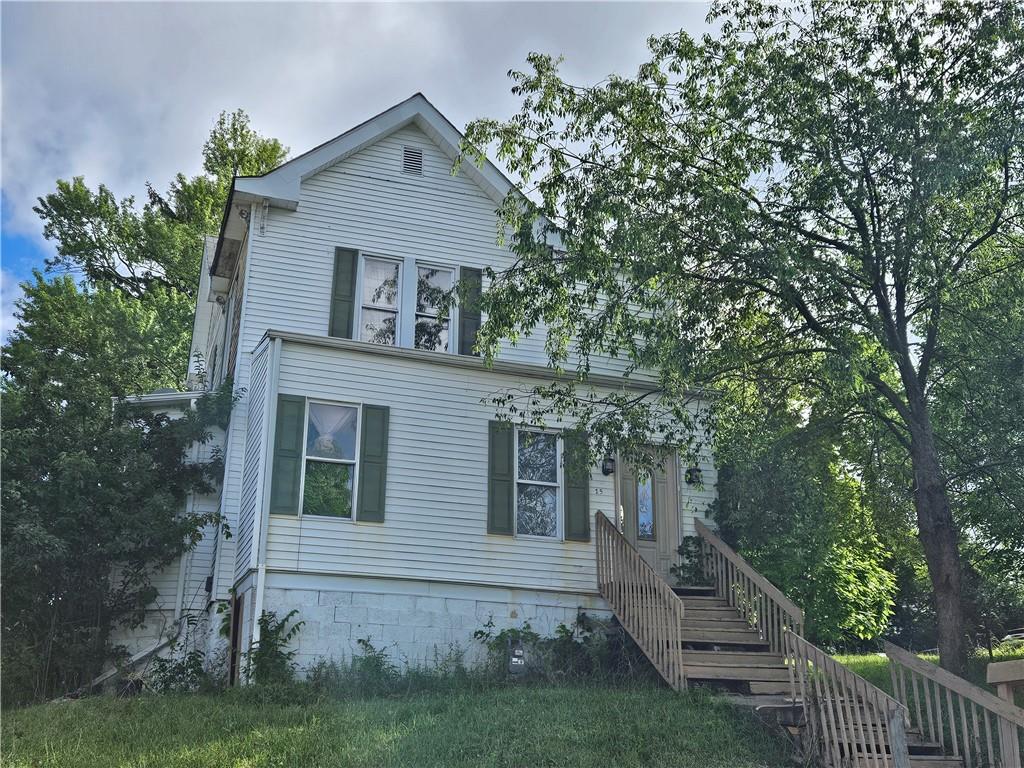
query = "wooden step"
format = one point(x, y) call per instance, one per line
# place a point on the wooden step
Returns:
point(701, 611)
point(933, 761)
point(694, 591)
point(704, 601)
point(728, 645)
point(737, 658)
point(778, 687)
point(693, 621)
point(778, 673)
point(723, 634)
point(915, 747)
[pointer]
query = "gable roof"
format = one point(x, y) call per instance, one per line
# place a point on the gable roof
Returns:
point(281, 186)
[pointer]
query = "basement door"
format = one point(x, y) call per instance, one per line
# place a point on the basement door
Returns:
point(650, 514)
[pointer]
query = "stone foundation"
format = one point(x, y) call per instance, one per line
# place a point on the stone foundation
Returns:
point(415, 623)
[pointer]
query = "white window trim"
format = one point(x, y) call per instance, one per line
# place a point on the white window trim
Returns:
point(354, 464)
point(405, 327)
point(400, 312)
point(453, 319)
point(558, 486)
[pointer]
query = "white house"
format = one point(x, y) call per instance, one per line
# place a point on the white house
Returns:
point(367, 484)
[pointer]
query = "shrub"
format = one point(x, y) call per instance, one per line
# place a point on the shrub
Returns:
point(270, 661)
point(587, 649)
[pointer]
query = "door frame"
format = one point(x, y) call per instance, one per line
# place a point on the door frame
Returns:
point(661, 552)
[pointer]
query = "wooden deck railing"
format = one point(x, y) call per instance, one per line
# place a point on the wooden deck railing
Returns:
point(643, 602)
point(759, 601)
point(971, 723)
point(851, 721)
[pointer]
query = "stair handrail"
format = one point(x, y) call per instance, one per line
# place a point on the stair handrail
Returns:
point(760, 602)
point(642, 600)
point(852, 721)
point(930, 686)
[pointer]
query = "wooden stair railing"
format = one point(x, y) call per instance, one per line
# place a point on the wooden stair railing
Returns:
point(642, 601)
point(851, 721)
point(975, 725)
point(759, 601)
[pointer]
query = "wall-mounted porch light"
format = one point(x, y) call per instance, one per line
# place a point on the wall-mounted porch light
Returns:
point(693, 476)
point(608, 465)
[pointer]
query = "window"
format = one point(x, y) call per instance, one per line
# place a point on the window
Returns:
point(645, 508)
point(432, 285)
point(379, 322)
point(330, 459)
point(537, 469)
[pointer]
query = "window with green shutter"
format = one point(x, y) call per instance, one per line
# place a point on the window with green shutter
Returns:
point(373, 464)
point(577, 486)
point(469, 309)
point(538, 483)
point(343, 293)
point(501, 479)
point(318, 466)
point(286, 472)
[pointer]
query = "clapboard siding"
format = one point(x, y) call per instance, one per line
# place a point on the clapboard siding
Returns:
point(250, 499)
point(234, 440)
point(366, 202)
point(435, 525)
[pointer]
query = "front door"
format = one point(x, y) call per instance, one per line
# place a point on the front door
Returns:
point(650, 517)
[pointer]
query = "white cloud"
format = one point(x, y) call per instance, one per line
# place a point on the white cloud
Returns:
point(10, 292)
point(126, 93)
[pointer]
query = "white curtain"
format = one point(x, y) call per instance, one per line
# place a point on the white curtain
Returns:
point(330, 421)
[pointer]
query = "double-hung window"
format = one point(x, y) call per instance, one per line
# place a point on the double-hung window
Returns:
point(537, 497)
point(433, 284)
point(330, 459)
point(380, 320)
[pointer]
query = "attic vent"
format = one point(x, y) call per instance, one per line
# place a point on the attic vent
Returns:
point(412, 161)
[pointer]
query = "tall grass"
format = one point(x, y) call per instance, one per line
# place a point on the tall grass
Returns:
point(535, 725)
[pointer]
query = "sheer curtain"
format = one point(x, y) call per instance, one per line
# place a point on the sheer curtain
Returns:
point(331, 422)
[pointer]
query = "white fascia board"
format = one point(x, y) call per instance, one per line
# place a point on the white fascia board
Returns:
point(180, 399)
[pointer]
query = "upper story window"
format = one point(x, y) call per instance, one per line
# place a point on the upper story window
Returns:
point(537, 484)
point(401, 302)
point(380, 317)
point(432, 285)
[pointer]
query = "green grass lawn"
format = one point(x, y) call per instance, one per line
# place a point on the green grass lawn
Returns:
point(515, 726)
point(875, 668)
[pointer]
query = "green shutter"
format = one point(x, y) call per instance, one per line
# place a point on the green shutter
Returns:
point(373, 464)
point(286, 476)
point(577, 486)
point(501, 481)
point(343, 293)
point(469, 311)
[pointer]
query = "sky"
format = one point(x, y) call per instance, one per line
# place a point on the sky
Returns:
point(126, 93)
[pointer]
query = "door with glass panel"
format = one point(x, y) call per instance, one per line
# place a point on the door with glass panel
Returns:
point(650, 517)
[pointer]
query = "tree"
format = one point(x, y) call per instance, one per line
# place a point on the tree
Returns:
point(791, 498)
point(93, 498)
point(110, 241)
point(816, 182)
point(93, 492)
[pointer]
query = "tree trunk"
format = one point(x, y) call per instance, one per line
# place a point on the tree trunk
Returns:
point(940, 540)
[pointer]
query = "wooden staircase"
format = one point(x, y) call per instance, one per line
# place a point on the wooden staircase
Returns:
point(741, 636)
point(723, 652)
